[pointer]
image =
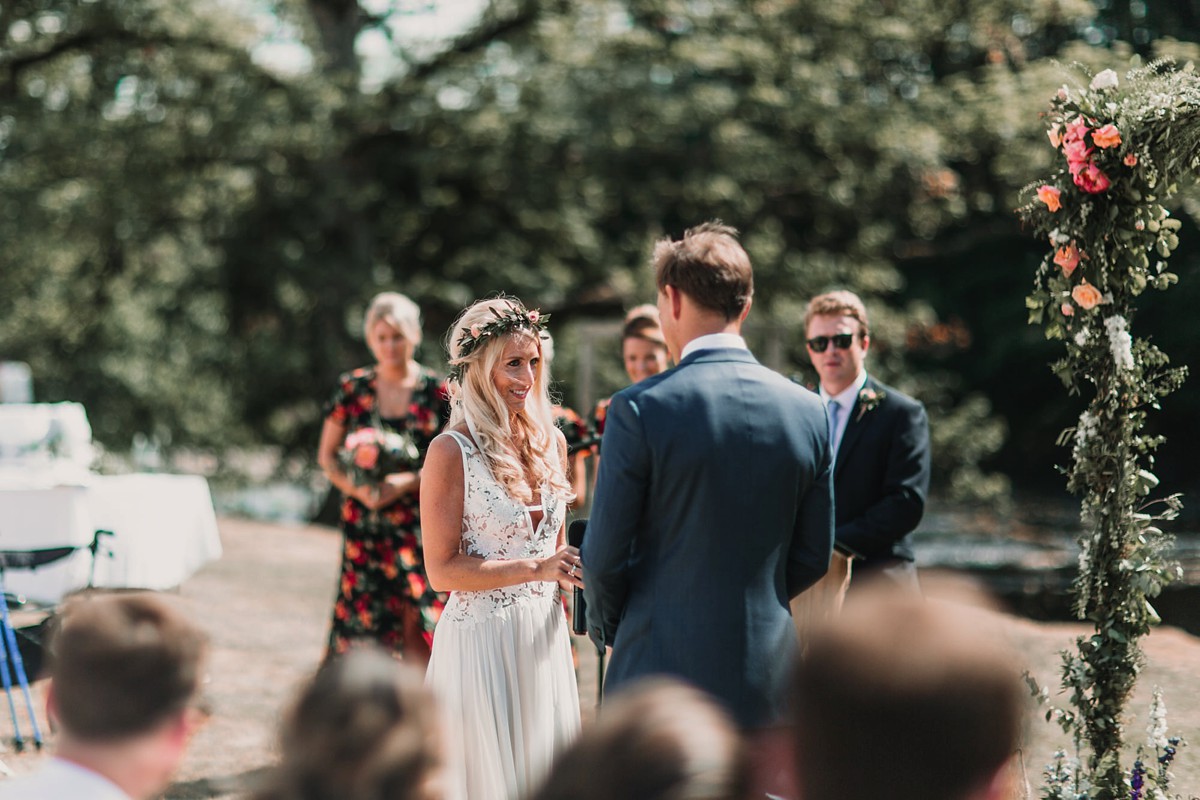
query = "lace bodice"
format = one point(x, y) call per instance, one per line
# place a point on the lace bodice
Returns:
point(498, 526)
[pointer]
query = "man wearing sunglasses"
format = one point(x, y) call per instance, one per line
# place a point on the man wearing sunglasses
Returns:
point(880, 440)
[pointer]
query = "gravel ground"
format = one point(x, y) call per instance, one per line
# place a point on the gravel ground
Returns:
point(265, 604)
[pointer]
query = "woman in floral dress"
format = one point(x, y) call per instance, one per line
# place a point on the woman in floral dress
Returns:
point(383, 594)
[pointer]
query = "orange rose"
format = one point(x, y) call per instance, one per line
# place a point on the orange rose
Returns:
point(1106, 137)
point(1130, 160)
point(1087, 296)
point(1050, 196)
point(1068, 258)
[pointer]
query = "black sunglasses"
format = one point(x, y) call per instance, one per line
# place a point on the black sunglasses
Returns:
point(841, 341)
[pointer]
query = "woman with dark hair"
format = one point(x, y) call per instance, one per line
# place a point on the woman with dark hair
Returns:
point(643, 352)
point(364, 728)
point(659, 740)
point(377, 428)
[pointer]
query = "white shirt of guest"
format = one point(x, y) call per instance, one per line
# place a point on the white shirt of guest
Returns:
point(713, 341)
point(845, 401)
point(59, 779)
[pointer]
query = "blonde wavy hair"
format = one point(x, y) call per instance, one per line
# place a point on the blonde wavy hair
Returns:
point(474, 397)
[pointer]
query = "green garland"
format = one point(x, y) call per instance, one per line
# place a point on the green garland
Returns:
point(1126, 146)
point(514, 317)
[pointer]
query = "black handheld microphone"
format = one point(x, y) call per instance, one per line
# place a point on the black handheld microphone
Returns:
point(575, 533)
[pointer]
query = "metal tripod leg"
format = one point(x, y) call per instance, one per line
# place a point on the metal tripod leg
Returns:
point(18, 739)
point(10, 639)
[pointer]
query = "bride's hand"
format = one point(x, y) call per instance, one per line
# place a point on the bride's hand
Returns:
point(564, 566)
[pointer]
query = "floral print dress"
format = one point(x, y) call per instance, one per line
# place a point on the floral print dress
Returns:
point(383, 573)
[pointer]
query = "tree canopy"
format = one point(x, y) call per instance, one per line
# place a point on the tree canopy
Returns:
point(192, 230)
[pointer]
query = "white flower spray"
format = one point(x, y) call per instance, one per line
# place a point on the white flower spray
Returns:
point(1120, 342)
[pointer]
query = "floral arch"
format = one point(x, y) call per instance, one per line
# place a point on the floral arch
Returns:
point(1126, 145)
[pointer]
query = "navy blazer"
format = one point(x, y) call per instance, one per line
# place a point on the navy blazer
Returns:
point(881, 477)
point(713, 508)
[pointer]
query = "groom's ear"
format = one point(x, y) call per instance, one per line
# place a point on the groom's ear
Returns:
point(674, 301)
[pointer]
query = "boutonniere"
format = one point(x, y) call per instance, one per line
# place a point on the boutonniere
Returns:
point(868, 399)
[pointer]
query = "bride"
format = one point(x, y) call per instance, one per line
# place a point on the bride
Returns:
point(493, 506)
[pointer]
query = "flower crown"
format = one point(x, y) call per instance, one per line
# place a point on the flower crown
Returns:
point(514, 318)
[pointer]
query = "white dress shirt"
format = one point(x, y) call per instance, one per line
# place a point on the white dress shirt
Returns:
point(59, 779)
point(845, 401)
point(713, 341)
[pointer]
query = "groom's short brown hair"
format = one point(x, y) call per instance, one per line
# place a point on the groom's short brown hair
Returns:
point(709, 265)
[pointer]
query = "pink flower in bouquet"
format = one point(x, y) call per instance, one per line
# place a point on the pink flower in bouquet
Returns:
point(1092, 180)
point(1106, 137)
point(366, 456)
point(1077, 151)
point(1087, 296)
point(1056, 135)
point(1068, 310)
point(1050, 195)
point(1068, 258)
point(1076, 130)
point(1130, 160)
point(360, 437)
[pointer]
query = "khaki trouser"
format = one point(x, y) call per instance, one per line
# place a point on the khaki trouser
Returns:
point(822, 601)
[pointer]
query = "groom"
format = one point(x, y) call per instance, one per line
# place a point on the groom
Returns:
point(713, 503)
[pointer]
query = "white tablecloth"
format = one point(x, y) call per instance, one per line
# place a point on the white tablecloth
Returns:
point(164, 529)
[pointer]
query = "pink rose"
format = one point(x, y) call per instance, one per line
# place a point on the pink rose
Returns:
point(366, 457)
point(474, 331)
point(1106, 137)
point(1077, 151)
point(1076, 130)
point(360, 436)
point(534, 315)
point(1068, 310)
point(1087, 296)
point(1130, 160)
point(1067, 258)
point(1050, 195)
point(1092, 180)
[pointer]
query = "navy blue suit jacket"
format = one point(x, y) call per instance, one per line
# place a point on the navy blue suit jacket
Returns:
point(881, 477)
point(713, 509)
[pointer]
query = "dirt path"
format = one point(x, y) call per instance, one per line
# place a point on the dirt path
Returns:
point(265, 604)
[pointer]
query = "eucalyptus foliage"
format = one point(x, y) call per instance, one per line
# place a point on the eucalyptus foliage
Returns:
point(1125, 145)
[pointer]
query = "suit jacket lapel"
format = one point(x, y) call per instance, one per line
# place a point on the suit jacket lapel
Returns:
point(854, 426)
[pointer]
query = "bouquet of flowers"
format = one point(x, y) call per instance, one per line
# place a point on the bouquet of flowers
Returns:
point(369, 454)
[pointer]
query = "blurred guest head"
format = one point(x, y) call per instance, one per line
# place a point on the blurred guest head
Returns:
point(125, 677)
point(392, 328)
point(907, 698)
point(643, 347)
point(705, 283)
point(660, 740)
point(364, 728)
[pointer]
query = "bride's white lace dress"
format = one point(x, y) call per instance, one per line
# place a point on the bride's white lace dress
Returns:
point(501, 666)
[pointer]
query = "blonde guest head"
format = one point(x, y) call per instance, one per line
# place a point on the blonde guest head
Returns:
point(520, 444)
